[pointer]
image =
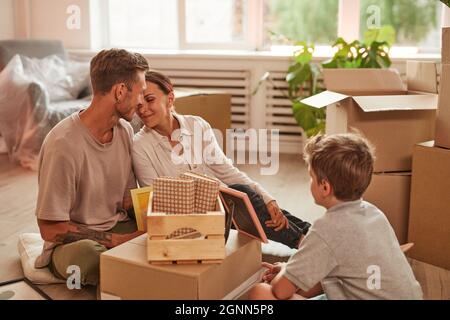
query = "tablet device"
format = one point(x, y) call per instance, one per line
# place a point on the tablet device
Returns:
point(239, 208)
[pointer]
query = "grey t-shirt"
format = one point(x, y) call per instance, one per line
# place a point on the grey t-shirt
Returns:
point(354, 253)
point(82, 180)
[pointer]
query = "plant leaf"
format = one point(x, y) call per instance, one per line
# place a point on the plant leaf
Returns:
point(304, 115)
point(320, 128)
point(330, 64)
point(446, 2)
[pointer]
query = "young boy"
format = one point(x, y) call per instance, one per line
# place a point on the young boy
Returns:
point(351, 252)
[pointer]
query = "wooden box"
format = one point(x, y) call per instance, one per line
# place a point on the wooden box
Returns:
point(210, 248)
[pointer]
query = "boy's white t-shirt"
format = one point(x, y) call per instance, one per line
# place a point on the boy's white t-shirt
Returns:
point(354, 253)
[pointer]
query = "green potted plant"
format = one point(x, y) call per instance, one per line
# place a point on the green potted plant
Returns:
point(302, 74)
point(302, 79)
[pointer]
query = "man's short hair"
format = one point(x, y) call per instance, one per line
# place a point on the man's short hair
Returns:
point(110, 67)
point(344, 160)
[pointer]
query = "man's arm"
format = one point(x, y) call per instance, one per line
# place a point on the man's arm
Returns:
point(127, 202)
point(68, 232)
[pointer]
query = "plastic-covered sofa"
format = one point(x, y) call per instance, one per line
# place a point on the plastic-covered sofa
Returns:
point(29, 117)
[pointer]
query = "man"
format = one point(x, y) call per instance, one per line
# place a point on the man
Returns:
point(85, 171)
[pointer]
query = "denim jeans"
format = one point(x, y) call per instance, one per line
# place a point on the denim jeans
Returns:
point(290, 236)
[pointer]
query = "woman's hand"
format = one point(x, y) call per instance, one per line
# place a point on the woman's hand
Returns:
point(278, 219)
point(272, 271)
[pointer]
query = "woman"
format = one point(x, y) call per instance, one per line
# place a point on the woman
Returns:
point(167, 137)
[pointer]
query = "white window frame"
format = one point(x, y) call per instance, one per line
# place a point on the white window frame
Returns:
point(253, 29)
point(348, 28)
point(349, 19)
point(252, 38)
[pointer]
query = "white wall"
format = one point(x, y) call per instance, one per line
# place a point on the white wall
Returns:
point(48, 20)
point(6, 19)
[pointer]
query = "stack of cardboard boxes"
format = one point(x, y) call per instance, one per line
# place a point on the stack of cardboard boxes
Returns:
point(429, 226)
point(376, 103)
point(443, 119)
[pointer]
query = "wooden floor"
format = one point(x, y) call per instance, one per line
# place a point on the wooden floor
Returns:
point(18, 191)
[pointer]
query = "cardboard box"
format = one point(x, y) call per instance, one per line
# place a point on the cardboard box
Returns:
point(376, 103)
point(442, 138)
point(390, 193)
point(213, 106)
point(446, 45)
point(126, 274)
point(429, 220)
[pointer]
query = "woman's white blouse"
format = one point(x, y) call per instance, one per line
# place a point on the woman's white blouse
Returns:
point(153, 156)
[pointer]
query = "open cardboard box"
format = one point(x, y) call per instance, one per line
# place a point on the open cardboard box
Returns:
point(377, 103)
point(429, 219)
point(126, 274)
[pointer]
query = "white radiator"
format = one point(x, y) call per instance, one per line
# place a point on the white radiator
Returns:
point(236, 83)
point(279, 113)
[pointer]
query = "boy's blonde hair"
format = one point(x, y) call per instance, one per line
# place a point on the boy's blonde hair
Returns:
point(344, 160)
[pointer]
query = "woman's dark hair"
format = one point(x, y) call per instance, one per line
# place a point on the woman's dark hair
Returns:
point(161, 80)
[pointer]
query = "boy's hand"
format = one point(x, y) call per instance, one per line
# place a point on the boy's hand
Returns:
point(272, 271)
point(278, 219)
point(300, 241)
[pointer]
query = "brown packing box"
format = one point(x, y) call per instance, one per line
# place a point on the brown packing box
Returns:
point(126, 274)
point(213, 106)
point(446, 45)
point(376, 103)
point(442, 138)
point(429, 219)
point(390, 193)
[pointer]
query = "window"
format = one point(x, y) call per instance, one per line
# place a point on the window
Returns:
point(215, 21)
point(300, 20)
point(405, 23)
point(265, 24)
point(143, 23)
point(179, 24)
